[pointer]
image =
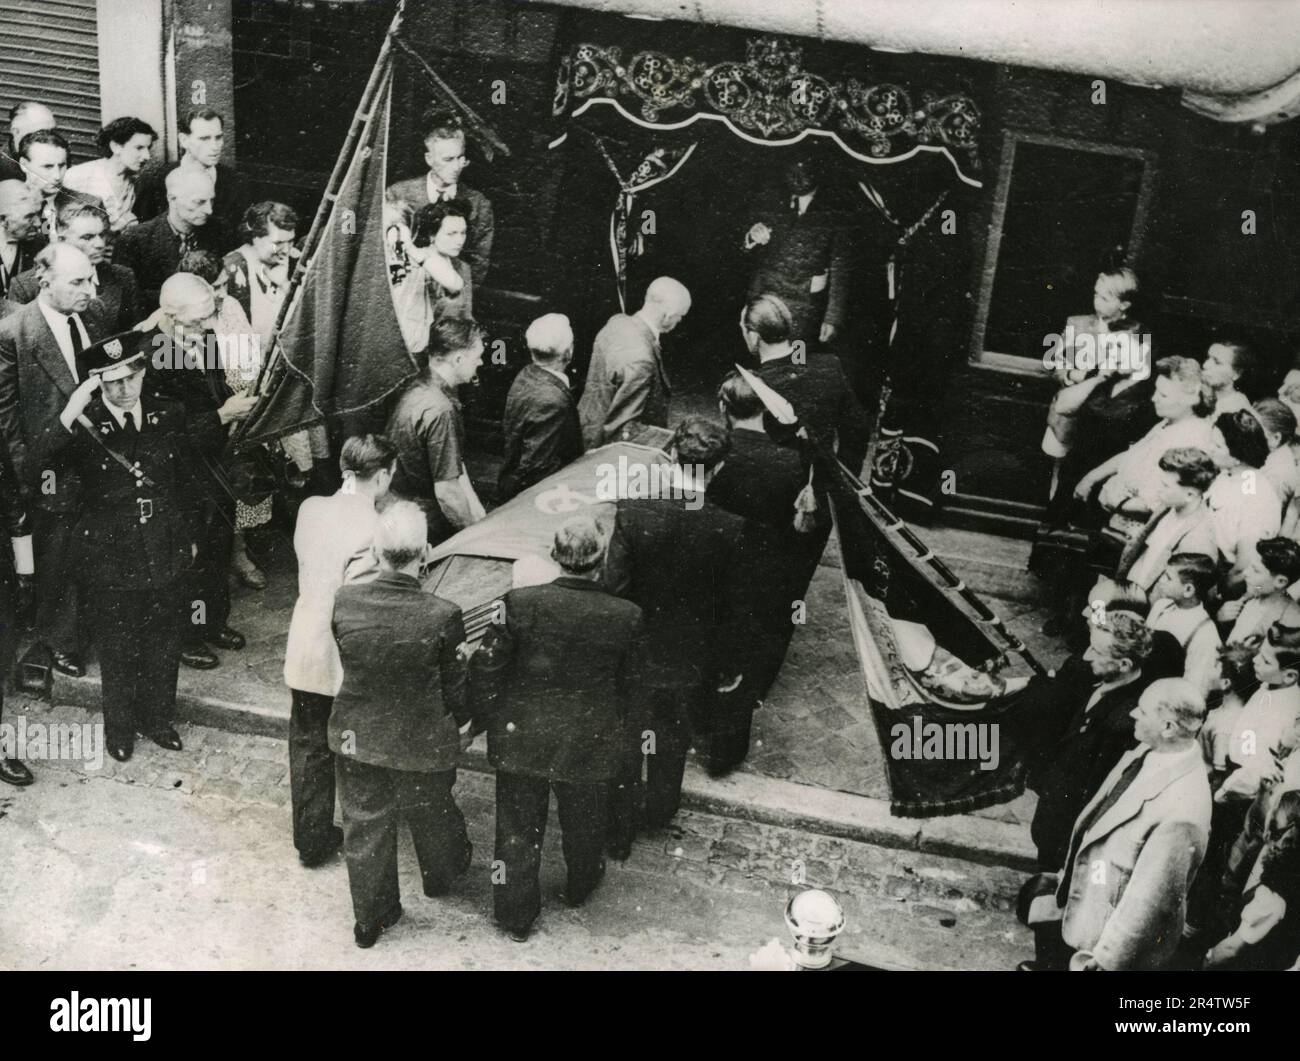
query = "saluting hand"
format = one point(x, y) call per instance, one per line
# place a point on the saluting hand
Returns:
point(78, 402)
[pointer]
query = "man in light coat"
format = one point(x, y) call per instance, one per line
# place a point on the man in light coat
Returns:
point(330, 531)
point(626, 382)
point(1138, 843)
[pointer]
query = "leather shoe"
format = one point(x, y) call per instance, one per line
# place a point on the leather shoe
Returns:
point(519, 935)
point(68, 663)
point(366, 935)
point(442, 889)
point(226, 638)
point(570, 898)
point(166, 737)
point(199, 657)
point(121, 750)
point(1029, 966)
point(15, 772)
point(316, 857)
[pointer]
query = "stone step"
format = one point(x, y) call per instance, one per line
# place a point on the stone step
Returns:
point(740, 795)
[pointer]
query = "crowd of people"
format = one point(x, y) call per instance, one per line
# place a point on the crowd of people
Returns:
point(1166, 751)
point(128, 288)
point(1171, 555)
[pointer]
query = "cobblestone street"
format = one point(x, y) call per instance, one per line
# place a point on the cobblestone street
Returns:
point(183, 860)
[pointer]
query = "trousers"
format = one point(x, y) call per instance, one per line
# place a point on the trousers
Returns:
point(657, 744)
point(138, 633)
point(522, 803)
point(209, 579)
point(374, 799)
point(56, 591)
point(311, 772)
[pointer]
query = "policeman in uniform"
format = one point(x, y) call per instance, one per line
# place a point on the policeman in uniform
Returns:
point(135, 535)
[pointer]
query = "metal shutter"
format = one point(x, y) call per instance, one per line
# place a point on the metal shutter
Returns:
point(49, 52)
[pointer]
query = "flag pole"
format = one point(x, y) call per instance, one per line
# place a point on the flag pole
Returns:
point(360, 121)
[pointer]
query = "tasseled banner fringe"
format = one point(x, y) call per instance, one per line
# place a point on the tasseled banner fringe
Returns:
point(805, 507)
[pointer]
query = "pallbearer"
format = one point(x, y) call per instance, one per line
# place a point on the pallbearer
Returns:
point(135, 534)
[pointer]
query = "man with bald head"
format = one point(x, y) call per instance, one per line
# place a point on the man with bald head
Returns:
point(41, 364)
point(185, 368)
point(540, 426)
point(27, 116)
point(152, 249)
point(201, 134)
point(626, 382)
point(20, 233)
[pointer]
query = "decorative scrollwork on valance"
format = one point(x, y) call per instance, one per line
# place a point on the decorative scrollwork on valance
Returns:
point(770, 96)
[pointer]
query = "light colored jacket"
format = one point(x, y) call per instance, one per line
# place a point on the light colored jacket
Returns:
point(329, 532)
point(626, 382)
point(1128, 890)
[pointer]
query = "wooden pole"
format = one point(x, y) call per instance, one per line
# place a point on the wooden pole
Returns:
point(360, 121)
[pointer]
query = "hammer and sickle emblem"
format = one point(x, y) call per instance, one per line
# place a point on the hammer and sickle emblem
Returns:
point(561, 499)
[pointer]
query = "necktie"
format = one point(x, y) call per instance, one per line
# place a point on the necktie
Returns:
point(1083, 825)
point(794, 205)
point(128, 423)
point(78, 347)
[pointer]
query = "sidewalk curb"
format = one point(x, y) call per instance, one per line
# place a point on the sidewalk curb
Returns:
point(741, 795)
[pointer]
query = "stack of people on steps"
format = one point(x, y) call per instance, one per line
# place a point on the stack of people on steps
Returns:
point(1166, 750)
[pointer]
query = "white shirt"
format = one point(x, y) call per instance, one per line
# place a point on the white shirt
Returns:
point(1171, 529)
point(117, 193)
point(8, 255)
point(1197, 634)
point(1245, 508)
point(804, 201)
point(1139, 468)
point(264, 296)
point(557, 373)
point(437, 191)
point(1267, 717)
point(136, 413)
point(59, 326)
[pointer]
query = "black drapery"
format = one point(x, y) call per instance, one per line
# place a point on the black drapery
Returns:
point(665, 133)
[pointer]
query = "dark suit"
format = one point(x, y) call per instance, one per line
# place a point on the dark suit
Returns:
point(117, 294)
point(1075, 749)
point(152, 250)
point(802, 247)
point(679, 565)
point(24, 259)
point(393, 731)
point(35, 385)
point(560, 670)
point(231, 197)
point(481, 222)
point(626, 381)
point(540, 430)
point(759, 481)
point(201, 391)
point(823, 400)
point(13, 519)
point(131, 549)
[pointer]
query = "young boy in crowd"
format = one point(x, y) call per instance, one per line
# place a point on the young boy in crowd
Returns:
point(1270, 572)
point(1182, 523)
point(1178, 607)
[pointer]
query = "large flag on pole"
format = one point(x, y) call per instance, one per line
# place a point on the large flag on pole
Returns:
point(341, 349)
